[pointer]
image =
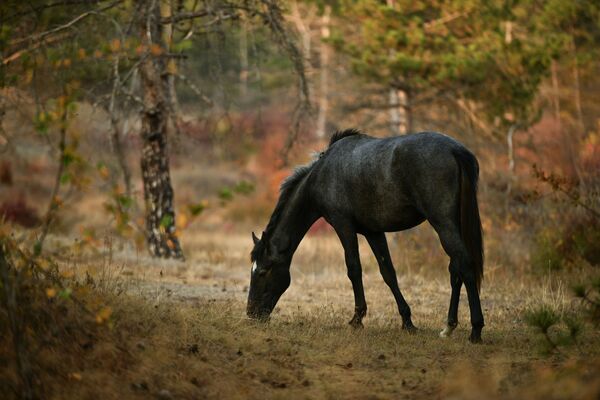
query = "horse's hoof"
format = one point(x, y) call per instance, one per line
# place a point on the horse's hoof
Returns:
point(355, 323)
point(410, 328)
point(475, 339)
point(446, 332)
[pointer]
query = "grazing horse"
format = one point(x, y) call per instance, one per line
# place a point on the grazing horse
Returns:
point(369, 186)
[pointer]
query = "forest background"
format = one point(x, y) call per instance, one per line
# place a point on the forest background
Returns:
point(142, 141)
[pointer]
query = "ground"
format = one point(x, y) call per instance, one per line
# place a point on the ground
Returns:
point(179, 330)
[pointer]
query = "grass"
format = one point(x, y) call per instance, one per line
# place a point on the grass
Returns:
point(178, 330)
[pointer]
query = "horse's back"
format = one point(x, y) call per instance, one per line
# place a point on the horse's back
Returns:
point(389, 184)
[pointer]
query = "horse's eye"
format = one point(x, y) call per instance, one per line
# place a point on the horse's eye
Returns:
point(262, 272)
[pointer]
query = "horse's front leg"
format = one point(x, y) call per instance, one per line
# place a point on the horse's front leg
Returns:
point(349, 241)
point(378, 244)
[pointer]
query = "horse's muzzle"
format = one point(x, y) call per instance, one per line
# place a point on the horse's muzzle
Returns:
point(258, 313)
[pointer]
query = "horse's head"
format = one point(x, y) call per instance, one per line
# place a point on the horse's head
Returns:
point(270, 276)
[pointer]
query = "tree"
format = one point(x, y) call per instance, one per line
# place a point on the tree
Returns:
point(454, 52)
point(130, 39)
point(158, 192)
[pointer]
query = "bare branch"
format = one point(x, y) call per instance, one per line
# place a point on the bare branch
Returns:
point(194, 88)
point(43, 38)
point(15, 55)
point(116, 131)
point(173, 19)
point(42, 35)
point(473, 117)
point(273, 17)
point(431, 25)
point(54, 201)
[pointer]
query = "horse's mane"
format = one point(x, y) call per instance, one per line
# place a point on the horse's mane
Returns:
point(287, 189)
point(339, 135)
point(285, 193)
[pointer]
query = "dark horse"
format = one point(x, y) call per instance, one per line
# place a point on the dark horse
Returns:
point(361, 184)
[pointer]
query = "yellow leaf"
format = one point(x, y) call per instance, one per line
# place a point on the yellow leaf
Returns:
point(81, 54)
point(156, 50)
point(28, 76)
point(182, 221)
point(43, 264)
point(75, 376)
point(115, 45)
point(50, 292)
point(103, 315)
point(172, 67)
point(67, 274)
point(98, 54)
point(104, 172)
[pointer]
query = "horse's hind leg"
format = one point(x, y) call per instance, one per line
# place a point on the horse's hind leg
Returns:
point(456, 284)
point(460, 263)
point(347, 236)
point(379, 246)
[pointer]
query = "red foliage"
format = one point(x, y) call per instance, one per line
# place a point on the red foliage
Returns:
point(6, 177)
point(17, 211)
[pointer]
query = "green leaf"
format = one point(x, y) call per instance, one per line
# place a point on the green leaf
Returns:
point(65, 178)
point(542, 318)
point(125, 201)
point(37, 248)
point(244, 187)
point(196, 209)
point(67, 159)
point(41, 123)
point(65, 293)
point(166, 221)
point(183, 45)
point(226, 194)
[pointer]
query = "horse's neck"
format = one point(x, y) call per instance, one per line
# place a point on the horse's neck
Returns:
point(297, 217)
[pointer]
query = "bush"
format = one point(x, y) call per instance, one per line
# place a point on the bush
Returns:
point(574, 238)
point(571, 230)
point(561, 329)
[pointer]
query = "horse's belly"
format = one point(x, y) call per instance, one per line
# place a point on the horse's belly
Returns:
point(392, 219)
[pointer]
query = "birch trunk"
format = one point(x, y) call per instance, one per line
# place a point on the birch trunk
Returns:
point(324, 74)
point(158, 193)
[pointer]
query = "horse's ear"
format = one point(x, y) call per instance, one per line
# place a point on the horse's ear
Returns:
point(254, 238)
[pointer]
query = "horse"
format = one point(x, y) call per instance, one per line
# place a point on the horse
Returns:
point(367, 185)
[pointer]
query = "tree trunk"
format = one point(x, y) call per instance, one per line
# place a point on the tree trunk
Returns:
point(324, 69)
point(158, 193)
point(303, 29)
point(400, 116)
point(244, 64)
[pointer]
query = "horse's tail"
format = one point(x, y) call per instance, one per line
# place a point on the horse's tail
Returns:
point(470, 223)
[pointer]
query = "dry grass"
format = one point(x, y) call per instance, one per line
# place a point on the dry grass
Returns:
point(181, 328)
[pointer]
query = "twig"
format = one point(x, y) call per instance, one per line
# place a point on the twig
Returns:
point(173, 19)
point(42, 35)
point(53, 205)
point(194, 88)
point(116, 132)
point(473, 117)
point(274, 19)
point(557, 184)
